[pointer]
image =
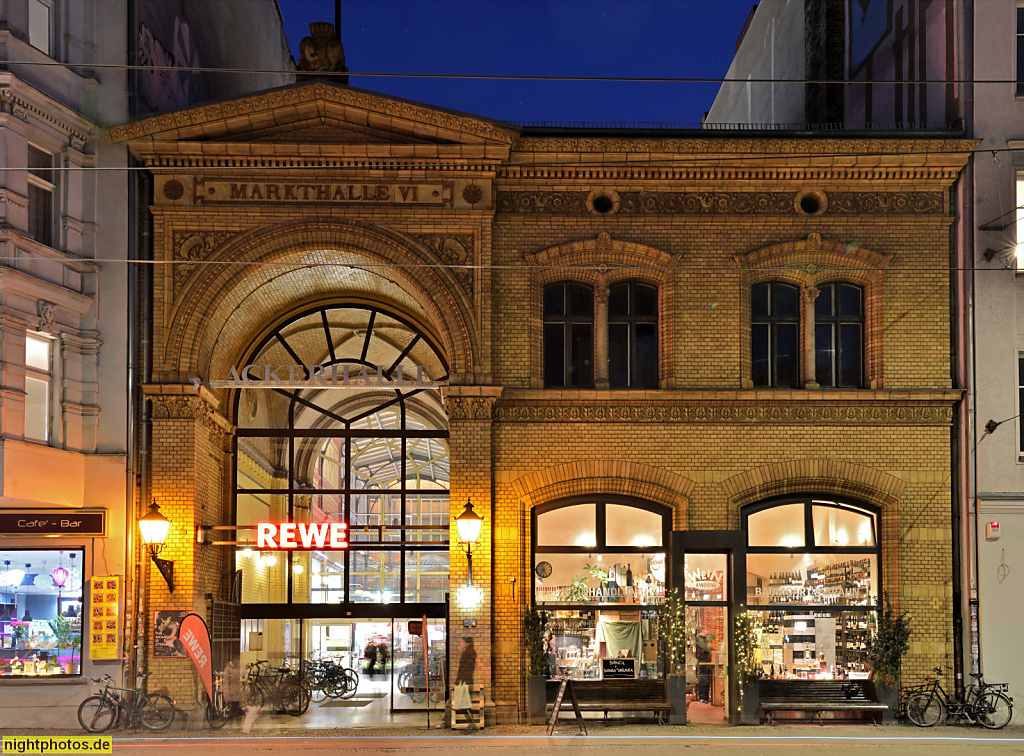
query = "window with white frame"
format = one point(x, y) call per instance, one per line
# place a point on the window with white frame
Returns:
point(1018, 249)
point(38, 378)
point(40, 24)
point(41, 192)
point(1020, 401)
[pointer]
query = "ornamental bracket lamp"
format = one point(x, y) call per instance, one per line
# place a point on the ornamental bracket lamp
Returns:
point(468, 524)
point(154, 527)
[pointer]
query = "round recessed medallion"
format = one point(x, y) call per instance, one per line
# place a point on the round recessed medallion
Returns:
point(173, 189)
point(472, 194)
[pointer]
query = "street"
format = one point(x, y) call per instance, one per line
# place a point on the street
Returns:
point(776, 741)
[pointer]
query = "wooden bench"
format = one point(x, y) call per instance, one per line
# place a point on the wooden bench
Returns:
point(615, 695)
point(817, 697)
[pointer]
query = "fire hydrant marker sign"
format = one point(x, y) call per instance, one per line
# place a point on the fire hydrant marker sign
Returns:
point(104, 617)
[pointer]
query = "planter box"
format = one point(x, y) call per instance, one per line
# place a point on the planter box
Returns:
point(537, 700)
point(677, 699)
point(751, 714)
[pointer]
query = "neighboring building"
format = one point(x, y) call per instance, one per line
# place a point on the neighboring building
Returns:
point(70, 217)
point(666, 361)
point(925, 64)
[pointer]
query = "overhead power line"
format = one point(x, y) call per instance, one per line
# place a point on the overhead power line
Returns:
point(506, 77)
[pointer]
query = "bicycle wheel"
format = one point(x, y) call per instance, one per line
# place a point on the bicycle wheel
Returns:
point(349, 672)
point(216, 711)
point(993, 710)
point(349, 683)
point(924, 709)
point(96, 714)
point(156, 712)
point(296, 700)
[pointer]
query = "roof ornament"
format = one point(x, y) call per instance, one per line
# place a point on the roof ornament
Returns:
point(321, 52)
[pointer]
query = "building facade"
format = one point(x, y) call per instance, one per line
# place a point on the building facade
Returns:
point(652, 363)
point(924, 64)
point(70, 222)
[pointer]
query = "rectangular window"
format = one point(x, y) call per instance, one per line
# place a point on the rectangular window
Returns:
point(41, 191)
point(38, 373)
point(1020, 399)
point(40, 18)
point(1020, 50)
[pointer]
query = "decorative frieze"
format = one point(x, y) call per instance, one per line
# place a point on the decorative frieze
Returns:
point(766, 413)
point(721, 203)
point(469, 407)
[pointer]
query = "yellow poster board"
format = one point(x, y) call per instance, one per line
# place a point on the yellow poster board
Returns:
point(104, 617)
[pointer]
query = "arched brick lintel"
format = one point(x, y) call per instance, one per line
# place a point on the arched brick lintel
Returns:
point(452, 316)
point(822, 476)
point(594, 477)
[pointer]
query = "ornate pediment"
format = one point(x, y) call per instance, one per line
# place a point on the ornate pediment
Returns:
point(316, 113)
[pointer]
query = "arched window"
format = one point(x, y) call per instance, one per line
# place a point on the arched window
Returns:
point(839, 335)
point(813, 570)
point(602, 561)
point(775, 334)
point(632, 335)
point(568, 335)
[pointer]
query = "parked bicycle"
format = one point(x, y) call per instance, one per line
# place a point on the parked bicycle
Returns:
point(986, 704)
point(218, 709)
point(280, 689)
point(99, 713)
point(327, 678)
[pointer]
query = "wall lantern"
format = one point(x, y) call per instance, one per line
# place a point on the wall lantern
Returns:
point(468, 524)
point(154, 527)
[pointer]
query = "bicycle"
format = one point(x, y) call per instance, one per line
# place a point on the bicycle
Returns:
point(218, 710)
point(283, 691)
point(98, 713)
point(985, 703)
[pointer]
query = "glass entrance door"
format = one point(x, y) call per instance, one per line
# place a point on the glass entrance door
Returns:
point(706, 594)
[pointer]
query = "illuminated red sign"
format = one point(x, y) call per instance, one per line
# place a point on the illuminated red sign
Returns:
point(301, 535)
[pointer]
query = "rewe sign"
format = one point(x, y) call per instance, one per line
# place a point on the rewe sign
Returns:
point(301, 535)
point(195, 637)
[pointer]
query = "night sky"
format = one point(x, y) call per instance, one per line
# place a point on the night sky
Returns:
point(691, 38)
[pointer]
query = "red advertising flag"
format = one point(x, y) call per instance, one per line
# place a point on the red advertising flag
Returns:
point(195, 637)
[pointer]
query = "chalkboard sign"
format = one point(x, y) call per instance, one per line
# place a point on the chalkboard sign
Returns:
point(618, 669)
point(566, 685)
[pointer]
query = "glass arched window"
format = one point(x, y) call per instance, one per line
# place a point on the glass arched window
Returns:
point(568, 335)
point(775, 334)
point(813, 571)
point(839, 335)
point(632, 335)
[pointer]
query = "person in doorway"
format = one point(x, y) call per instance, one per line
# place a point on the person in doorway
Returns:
point(703, 651)
point(370, 654)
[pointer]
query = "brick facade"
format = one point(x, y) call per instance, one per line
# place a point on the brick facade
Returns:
point(701, 219)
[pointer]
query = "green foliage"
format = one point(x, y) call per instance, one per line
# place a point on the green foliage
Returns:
point(66, 637)
point(535, 624)
point(576, 591)
point(890, 644)
point(747, 630)
point(673, 618)
point(596, 572)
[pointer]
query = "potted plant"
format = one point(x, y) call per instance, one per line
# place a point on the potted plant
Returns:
point(20, 634)
point(885, 654)
point(538, 648)
point(66, 638)
point(747, 631)
point(674, 620)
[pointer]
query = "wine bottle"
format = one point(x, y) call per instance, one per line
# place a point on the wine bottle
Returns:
point(629, 574)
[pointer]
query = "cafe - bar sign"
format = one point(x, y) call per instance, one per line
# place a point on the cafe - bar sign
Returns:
point(53, 522)
point(301, 535)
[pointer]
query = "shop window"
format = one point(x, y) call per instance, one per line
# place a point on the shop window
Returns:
point(38, 383)
point(568, 335)
point(41, 193)
point(813, 571)
point(41, 614)
point(632, 336)
point(600, 566)
point(839, 335)
point(775, 334)
point(40, 24)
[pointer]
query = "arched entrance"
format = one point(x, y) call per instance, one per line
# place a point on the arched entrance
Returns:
point(366, 452)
